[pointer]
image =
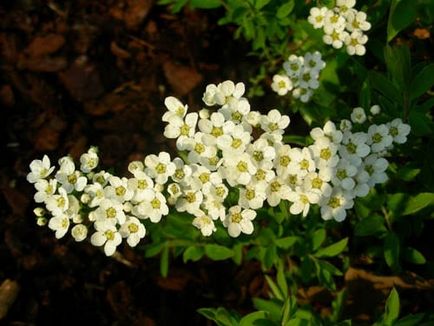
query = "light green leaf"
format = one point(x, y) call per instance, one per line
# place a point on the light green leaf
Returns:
point(285, 9)
point(287, 242)
point(419, 202)
point(332, 250)
point(413, 256)
point(205, 4)
point(193, 253)
point(274, 288)
point(164, 261)
point(250, 319)
point(392, 308)
point(422, 82)
point(272, 306)
point(259, 4)
point(318, 238)
point(217, 252)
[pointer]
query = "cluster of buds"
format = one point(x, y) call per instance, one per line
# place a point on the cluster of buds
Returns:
point(227, 149)
point(301, 76)
point(342, 25)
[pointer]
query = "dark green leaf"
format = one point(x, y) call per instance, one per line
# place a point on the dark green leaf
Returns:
point(371, 225)
point(402, 14)
point(272, 306)
point(410, 320)
point(422, 82)
point(217, 252)
point(383, 85)
point(392, 250)
point(205, 4)
point(332, 250)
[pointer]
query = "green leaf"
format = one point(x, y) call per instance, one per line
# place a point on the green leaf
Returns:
point(413, 256)
point(392, 250)
point(205, 4)
point(420, 123)
point(272, 306)
point(418, 202)
point(259, 4)
point(402, 14)
point(154, 249)
point(285, 9)
point(384, 86)
point(164, 262)
point(281, 279)
point(287, 242)
point(407, 173)
point(250, 319)
point(422, 82)
point(332, 250)
point(274, 288)
point(371, 225)
point(220, 316)
point(193, 253)
point(318, 238)
point(217, 252)
point(392, 308)
point(410, 320)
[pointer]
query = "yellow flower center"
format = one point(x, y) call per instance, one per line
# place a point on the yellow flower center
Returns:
point(110, 212)
point(334, 202)
point(160, 168)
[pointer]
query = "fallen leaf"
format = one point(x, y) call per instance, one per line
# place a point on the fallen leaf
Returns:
point(422, 33)
point(182, 78)
point(8, 294)
point(44, 45)
point(42, 64)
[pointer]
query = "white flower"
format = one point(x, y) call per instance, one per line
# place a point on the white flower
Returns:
point(345, 125)
point(317, 16)
point(329, 130)
point(238, 169)
point(106, 235)
point(375, 166)
point(96, 194)
point(301, 201)
point(375, 109)
point(335, 37)
point(333, 21)
point(293, 65)
point(356, 20)
point(235, 143)
point(181, 128)
point(70, 178)
point(159, 167)
point(399, 131)
point(308, 79)
point(379, 138)
point(89, 160)
point(189, 201)
point(45, 189)
point(252, 196)
point(274, 122)
point(222, 93)
point(344, 5)
point(153, 206)
point(281, 84)
point(215, 191)
point(261, 151)
point(239, 220)
point(135, 166)
point(39, 169)
point(318, 182)
point(276, 191)
point(139, 184)
point(355, 43)
point(358, 115)
point(304, 94)
point(215, 208)
point(205, 224)
point(313, 61)
point(344, 174)
point(174, 107)
point(235, 109)
point(174, 191)
point(118, 189)
point(79, 232)
point(101, 177)
point(58, 204)
point(60, 224)
point(336, 205)
point(133, 230)
point(110, 211)
point(214, 127)
point(354, 147)
point(324, 152)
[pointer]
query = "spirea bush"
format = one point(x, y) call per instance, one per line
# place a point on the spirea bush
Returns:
point(242, 187)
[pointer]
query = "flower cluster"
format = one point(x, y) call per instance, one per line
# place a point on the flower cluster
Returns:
point(342, 25)
point(228, 148)
point(301, 76)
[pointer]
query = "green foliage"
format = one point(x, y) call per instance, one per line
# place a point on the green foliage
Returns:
point(384, 227)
